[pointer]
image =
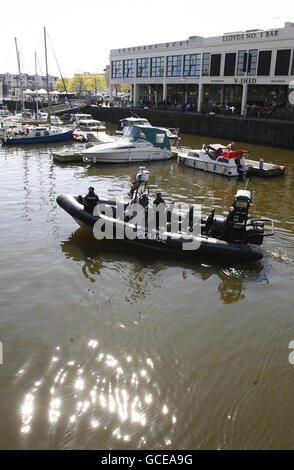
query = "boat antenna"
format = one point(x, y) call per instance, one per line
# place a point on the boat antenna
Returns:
point(135, 115)
point(246, 183)
point(60, 72)
point(47, 77)
point(19, 75)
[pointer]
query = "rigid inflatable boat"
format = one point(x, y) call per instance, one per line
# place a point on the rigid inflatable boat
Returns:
point(229, 238)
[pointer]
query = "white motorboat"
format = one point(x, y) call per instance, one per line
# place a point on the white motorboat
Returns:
point(91, 125)
point(136, 121)
point(216, 158)
point(76, 118)
point(138, 144)
point(55, 120)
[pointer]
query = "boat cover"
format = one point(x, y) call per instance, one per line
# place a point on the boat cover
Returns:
point(235, 154)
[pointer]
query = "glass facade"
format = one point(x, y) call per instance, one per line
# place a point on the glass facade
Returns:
point(206, 65)
point(142, 67)
point(174, 66)
point(157, 67)
point(230, 64)
point(264, 63)
point(247, 62)
point(129, 68)
point(242, 63)
point(215, 63)
point(116, 68)
point(252, 62)
point(192, 65)
point(283, 62)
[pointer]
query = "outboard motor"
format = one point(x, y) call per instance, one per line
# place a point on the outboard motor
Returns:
point(238, 225)
point(242, 168)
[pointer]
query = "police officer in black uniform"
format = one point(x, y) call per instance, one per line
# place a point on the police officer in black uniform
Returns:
point(90, 200)
point(158, 200)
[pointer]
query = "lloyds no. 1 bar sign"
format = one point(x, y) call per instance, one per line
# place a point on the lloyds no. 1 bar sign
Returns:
point(253, 35)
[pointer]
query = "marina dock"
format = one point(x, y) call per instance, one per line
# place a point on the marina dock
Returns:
point(269, 170)
point(67, 157)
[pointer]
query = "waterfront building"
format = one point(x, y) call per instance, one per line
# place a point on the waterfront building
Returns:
point(11, 83)
point(235, 70)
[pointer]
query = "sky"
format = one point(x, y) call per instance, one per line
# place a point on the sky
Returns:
point(82, 33)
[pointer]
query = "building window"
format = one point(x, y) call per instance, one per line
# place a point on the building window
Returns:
point(283, 62)
point(264, 63)
point(174, 66)
point(252, 62)
point(192, 64)
point(157, 67)
point(242, 62)
point(116, 68)
point(215, 65)
point(230, 64)
point(142, 67)
point(129, 68)
point(206, 65)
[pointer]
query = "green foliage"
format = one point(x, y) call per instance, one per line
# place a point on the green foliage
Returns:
point(82, 82)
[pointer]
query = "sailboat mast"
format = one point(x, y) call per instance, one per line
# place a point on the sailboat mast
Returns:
point(36, 90)
point(46, 61)
point(19, 75)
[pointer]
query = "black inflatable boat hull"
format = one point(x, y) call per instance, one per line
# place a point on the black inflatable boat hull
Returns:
point(210, 247)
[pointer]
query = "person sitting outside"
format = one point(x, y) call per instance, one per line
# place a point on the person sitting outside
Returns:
point(231, 146)
point(91, 200)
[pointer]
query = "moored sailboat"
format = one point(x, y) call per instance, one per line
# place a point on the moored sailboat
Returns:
point(29, 132)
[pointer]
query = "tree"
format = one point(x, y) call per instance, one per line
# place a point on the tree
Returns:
point(94, 82)
point(83, 82)
point(77, 83)
point(59, 86)
point(125, 88)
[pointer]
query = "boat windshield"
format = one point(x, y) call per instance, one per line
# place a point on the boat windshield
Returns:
point(154, 135)
point(133, 122)
point(90, 123)
point(81, 116)
point(139, 123)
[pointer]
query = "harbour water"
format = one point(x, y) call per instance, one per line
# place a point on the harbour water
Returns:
point(113, 348)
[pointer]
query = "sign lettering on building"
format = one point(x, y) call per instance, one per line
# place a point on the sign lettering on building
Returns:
point(251, 36)
point(245, 81)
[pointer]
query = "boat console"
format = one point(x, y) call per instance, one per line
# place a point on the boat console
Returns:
point(238, 226)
